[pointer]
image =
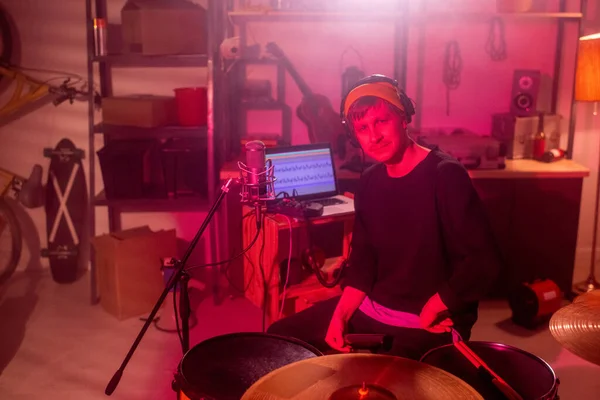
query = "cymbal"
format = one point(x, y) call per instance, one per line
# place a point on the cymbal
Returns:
point(577, 328)
point(359, 376)
point(594, 295)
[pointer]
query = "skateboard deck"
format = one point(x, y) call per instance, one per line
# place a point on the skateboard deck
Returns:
point(66, 209)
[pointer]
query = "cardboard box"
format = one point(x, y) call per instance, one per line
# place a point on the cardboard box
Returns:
point(128, 265)
point(517, 133)
point(163, 27)
point(144, 111)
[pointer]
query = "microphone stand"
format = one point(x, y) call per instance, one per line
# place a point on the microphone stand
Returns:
point(179, 275)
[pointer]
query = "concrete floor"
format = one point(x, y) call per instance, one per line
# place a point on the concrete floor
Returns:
point(56, 346)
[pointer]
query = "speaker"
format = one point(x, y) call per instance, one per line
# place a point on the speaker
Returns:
point(525, 92)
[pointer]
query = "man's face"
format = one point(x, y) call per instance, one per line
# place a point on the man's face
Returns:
point(381, 133)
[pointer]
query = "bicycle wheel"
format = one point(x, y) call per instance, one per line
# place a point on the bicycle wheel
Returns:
point(6, 39)
point(10, 242)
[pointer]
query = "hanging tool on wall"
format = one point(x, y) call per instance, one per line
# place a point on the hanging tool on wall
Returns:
point(350, 76)
point(496, 43)
point(452, 70)
point(352, 73)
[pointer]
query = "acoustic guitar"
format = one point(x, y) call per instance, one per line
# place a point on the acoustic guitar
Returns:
point(315, 110)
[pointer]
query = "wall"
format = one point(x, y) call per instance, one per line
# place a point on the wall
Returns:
point(52, 36)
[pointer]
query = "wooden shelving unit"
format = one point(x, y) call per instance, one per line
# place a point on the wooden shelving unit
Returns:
point(127, 132)
point(158, 204)
point(304, 16)
point(209, 64)
point(135, 60)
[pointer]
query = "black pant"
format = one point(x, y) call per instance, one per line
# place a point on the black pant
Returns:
point(311, 325)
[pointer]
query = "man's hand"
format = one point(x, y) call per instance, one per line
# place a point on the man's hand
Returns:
point(430, 313)
point(335, 334)
point(348, 304)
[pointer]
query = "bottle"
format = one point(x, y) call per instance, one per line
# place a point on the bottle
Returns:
point(553, 155)
point(539, 141)
point(100, 36)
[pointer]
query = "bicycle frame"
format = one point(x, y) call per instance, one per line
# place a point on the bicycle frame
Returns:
point(36, 91)
point(10, 184)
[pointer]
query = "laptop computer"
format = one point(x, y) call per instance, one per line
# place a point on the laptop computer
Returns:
point(307, 173)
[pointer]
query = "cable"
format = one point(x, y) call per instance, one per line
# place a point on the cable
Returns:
point(265, 282)
point(315, 267)
point(225, 269)
point(230, 259)
point(289, 263)
point(177, 327)
point(353, 49)
point(176, 316)
point(452, 65)
point(452, 70)
point(496, 43)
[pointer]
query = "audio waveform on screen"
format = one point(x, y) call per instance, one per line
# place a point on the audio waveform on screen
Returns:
point(285, 168)
point(304, 175)
point(304, 179)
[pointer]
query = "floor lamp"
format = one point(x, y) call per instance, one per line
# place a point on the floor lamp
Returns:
point(587, 89)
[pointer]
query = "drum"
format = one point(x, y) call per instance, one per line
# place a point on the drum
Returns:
point(224, 367)
point(529, 375)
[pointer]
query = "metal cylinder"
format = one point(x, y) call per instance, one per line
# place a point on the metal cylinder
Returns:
point(100, 36)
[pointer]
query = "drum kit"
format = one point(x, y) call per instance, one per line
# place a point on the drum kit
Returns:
point(577, 326)
point(253, 366)
point(261, 366)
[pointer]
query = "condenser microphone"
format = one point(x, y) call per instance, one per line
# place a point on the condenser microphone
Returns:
point(255, 162)
point(256, 177)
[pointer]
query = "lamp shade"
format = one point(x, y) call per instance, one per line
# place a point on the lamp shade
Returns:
point(587, 76)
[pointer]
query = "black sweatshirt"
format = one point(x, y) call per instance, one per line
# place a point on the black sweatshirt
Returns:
point(420, 234)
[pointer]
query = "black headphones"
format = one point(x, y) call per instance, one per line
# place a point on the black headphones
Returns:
point(409, 108)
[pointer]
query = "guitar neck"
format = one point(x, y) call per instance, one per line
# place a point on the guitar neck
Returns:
point(302, 85)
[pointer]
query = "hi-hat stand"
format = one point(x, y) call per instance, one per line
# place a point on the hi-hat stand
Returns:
point(181, 277)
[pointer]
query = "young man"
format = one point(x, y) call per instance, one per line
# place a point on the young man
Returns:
point(422, 250)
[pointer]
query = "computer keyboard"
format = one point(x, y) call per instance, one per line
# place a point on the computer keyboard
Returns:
point(332, 201)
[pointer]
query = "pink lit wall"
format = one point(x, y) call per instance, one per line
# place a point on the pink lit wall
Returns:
point(316, 49)
point(52, 36)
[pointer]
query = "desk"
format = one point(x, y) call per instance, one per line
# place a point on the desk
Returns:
point(272, 249)
point(533, 209)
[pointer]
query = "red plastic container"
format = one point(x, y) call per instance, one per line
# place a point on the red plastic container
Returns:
point(191, 106)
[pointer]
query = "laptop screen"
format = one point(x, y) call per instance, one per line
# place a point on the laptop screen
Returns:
point(306, 168)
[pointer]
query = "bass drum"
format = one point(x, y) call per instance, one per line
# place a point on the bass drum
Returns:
point(529, 375)
point(224, 367)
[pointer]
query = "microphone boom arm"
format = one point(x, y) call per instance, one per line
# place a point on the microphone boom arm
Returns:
point(179, 274)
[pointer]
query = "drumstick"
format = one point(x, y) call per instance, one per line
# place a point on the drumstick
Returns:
point(500, 383)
